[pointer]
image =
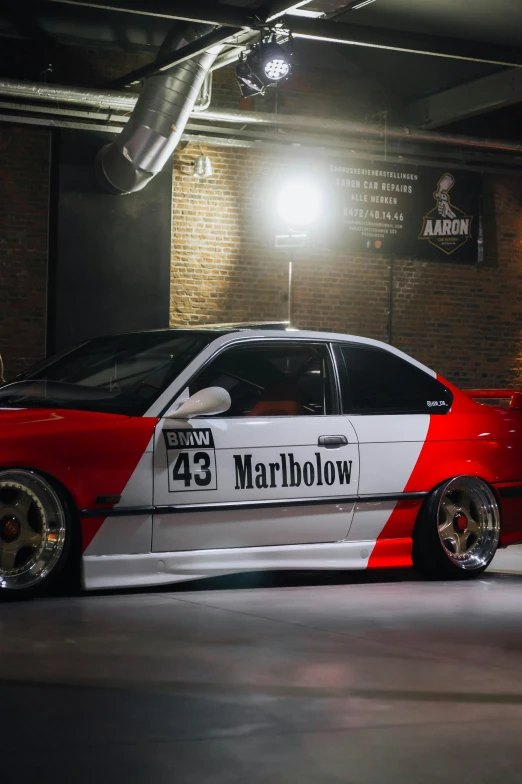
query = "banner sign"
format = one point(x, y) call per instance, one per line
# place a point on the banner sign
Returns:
point(411, 211)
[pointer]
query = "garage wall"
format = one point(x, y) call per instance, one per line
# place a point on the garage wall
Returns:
point(24, 206)
point(110, 256)
point(464, 321)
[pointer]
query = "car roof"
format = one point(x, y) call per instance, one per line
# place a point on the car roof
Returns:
point(222, 338)
point(266, 330)
point(221, 334)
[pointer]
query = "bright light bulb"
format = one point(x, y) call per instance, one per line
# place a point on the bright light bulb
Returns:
point(276, 69)
point(299, 203)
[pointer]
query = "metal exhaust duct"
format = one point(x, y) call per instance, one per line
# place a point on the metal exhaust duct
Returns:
point(157, 122)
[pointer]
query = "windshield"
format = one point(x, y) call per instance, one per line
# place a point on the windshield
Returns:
point(119, 375)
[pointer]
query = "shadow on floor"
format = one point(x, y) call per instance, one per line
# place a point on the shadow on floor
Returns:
point(268, 579)
point(290, 579)
point(275, 579)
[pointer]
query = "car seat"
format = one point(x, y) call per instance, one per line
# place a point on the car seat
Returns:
point(279, 399)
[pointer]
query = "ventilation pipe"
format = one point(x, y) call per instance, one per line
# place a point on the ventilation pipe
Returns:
point(158, 120)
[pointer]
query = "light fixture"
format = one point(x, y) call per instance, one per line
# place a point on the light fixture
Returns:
point(249, 83)
point(275, 61)
point(300, 203)
point(267, 63)
point(203, 167)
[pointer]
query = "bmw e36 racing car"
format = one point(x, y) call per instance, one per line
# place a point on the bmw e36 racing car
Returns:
point(152, 457)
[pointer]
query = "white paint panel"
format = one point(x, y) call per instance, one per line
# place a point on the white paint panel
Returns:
point(388, 428)
point(122, 535)
point(121, 571)
point(138, 490)
point(243, 446)
point(370, 519)
point(389, 447)
point(129, 534)
point(386, 468)
point(252, 527)
point(269, 459)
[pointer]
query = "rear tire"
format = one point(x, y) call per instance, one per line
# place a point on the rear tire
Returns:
point(36, 533)
point(458, 529)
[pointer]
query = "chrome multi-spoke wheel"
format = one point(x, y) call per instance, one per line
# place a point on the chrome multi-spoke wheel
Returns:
point(468, 522)
point(458, 531)
point(33, 530)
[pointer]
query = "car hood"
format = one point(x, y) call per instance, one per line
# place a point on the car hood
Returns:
point(23, 421)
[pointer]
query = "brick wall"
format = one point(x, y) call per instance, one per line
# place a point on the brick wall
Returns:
point(24, 197)
point(318, 92)
point(464, 321)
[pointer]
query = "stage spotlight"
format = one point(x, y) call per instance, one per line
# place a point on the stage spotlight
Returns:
point(275, 61)
point(249, 83)
point(300, 203)
point(267, 63)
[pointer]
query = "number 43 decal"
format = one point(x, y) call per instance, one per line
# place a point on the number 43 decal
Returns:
point(191, 459)
point(193, 470)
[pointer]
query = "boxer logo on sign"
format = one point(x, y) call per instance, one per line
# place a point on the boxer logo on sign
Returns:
point(191, 457)
point(445, 226)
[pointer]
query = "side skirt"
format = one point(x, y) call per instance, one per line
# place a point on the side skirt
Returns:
point(126, 571)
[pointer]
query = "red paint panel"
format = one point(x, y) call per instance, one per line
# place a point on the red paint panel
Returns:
point(471, 439)
point(90, 527)
point(391, 554)
point(393, 546)
point(89, 453)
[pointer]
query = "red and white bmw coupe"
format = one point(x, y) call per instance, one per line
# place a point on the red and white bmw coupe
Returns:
point(159, 456)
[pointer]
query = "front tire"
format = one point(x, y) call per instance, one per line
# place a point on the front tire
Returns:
point(458, 530)
point(35, 533)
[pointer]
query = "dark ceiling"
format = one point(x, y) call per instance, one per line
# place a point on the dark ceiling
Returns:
point(408, 76)
point(491, 21)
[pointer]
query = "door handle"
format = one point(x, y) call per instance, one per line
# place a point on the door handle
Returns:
point(332, 442)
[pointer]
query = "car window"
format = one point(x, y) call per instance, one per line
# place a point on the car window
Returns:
point(272, 379)
point(123, 374)
point(380, 382)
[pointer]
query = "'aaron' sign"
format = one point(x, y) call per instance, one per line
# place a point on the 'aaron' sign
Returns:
point(410, 211)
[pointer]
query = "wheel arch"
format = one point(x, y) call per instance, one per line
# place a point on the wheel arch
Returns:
point(55, 472)
point(427, 523)
point(451, 478)
point(54, 488)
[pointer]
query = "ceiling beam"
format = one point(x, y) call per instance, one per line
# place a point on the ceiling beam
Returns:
point(279, 8)
point(234, 49)
point(414, 43)
point(167, 62)
point(467, 100)
point(314, 29)
point(186, 10)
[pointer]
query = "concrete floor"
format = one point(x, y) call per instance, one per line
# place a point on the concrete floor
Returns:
point(268, 678)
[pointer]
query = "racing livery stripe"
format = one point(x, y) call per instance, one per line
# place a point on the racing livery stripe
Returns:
point(133, 486)
point(391, 554)
point(401, 522)
point(432, 467)
point(129, 511)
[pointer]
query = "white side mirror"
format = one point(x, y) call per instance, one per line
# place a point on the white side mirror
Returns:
point(213, 400)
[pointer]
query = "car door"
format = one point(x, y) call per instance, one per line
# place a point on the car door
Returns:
point(388, 399)
point(280, 467)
